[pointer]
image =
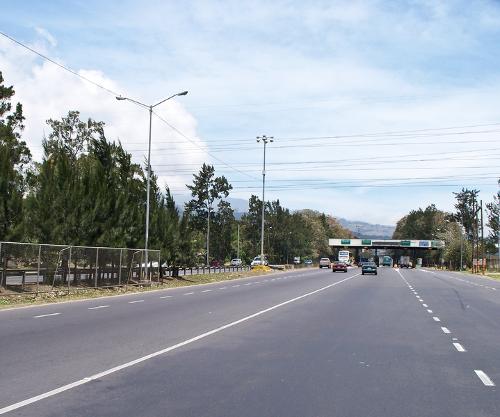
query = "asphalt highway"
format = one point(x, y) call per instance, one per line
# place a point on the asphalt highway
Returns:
point(306, 343)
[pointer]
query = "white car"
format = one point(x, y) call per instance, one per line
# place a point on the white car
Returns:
point(256, 261)
point(236, 262)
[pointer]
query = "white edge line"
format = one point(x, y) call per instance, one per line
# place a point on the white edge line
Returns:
point(75, 384)
point(486, 380)
point(46, 315)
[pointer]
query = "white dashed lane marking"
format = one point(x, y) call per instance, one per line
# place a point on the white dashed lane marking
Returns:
point(46, 315)
point(97, 307)
point(136, 301)
point(235, 286)
point(430, 311)
point(166, 296)
point(445, 330)
point(436, 318)
point(188, 293)
point(459, 347)
point(204, 291)
point(425, 305)
point(485, 379)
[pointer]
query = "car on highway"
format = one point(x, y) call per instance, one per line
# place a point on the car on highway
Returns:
point(325, 263)
point(369, 268)
point(308, 262)
point(339, 266)
point(256, 261)
point(236, 262)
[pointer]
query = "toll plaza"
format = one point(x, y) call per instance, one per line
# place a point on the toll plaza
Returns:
point(421, 252)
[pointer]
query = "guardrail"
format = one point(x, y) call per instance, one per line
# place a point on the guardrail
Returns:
point(197, 270)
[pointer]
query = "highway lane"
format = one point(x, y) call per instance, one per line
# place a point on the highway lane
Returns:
point(365, 346)
point(468, 307)
point(52, 345)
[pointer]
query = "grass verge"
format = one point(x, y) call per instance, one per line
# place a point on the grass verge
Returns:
point(25, 299)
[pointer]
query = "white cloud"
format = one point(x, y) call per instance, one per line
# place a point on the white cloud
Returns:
point(48, 92)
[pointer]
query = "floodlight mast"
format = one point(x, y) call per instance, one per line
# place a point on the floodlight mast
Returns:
point(265, 140)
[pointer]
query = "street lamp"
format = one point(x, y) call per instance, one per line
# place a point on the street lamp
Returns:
point(265, 140)
point(150, 107)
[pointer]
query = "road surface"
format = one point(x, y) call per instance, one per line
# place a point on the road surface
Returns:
point(305, 343)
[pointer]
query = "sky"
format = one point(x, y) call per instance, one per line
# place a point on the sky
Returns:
point(376, 107)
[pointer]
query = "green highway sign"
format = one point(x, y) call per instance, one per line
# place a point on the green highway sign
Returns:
point(366, 242)
point(406, 243)
point(345, 242)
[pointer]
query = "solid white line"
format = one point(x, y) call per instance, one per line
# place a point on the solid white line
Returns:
point(459, 347)
point(162, 351)
point(436, 318)
point(429, 311)
point(166, 296)
point(136, 301)
point(445, 330)
point(203, 291)
point(46, 315)
point(188, 293)
point(483, 377)
point(97, 308)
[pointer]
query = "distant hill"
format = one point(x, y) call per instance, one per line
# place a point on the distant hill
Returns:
point(368, 230)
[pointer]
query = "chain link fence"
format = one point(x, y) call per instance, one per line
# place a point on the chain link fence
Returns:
point(32, 267)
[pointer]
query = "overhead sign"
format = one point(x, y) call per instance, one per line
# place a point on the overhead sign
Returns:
point(388, 243)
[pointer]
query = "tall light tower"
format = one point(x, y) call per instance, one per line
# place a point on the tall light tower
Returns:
point(148, 187)
point(265, 140)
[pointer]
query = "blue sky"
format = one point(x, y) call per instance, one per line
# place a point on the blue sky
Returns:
point(305, 72)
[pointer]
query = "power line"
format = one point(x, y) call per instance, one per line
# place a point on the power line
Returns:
point(58, 64)
point(205, 151)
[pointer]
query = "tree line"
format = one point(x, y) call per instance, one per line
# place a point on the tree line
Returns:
point(461, 230)
point(87, 190)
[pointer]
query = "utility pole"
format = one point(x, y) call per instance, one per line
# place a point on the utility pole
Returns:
point(238, 254)
point(208, 225)
point(265, 141)
point(461, 245)
point(483, 262)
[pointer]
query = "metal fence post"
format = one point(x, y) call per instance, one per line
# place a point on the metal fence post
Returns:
point(38, 267)
point(96, 266)
point(69, 268)
point(120, 270)
point(159, 269)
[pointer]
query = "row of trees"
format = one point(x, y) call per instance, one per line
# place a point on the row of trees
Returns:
point(461, 230)
point(86, 190)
